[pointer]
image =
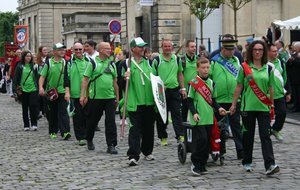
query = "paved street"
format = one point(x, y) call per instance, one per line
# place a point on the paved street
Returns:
point(31, 160)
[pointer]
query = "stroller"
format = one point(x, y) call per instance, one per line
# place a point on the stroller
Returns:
point(187, 147)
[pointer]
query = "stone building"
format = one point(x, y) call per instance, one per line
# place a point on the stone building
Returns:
point(46, 19)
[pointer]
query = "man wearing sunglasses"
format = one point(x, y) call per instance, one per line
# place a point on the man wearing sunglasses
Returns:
point(73, 75)
point(224, 71)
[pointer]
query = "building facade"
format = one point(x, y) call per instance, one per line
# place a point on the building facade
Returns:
point(46, 18)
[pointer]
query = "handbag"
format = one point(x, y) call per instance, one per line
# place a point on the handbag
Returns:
point(52, 93)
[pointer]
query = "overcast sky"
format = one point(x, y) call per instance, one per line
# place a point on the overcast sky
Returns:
point(10, 5)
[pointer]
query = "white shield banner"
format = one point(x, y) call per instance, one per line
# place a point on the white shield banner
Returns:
point(158, 90)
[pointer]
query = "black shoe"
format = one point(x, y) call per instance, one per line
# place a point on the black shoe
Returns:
point(97, 128)
point(203, 170)
point(112, 150)
point(90, 145)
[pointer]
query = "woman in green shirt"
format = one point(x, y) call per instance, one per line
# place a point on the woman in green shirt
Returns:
point(25, 80)
point(252, 106)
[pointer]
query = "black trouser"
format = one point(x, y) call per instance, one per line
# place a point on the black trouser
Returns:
point(184, 109)
point(249, 119)
point(79, 120)
point(200, 144)
point(58, 115)
point(141, 133)
point(94, 113)
point(296, 96)
point(235, 126)
point(30, 101)
point(280, 113)
point(173, 100)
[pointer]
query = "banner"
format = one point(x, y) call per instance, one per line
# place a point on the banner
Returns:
point(158, 90)
point(21, 35)
point(10, 50)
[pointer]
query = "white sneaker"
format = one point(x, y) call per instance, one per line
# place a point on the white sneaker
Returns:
point(272, 170)
point(133, 162)
point(26, 128)
point(149, 157)
point(34, 127)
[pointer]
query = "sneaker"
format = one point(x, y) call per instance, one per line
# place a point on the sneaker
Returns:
point(125, 123)
point(181, 139)
point(203, 170)
point(66, 136)
point(272, 170)
point(26, 128)
point(34, 127)
point(149, 157)
point(90, 145)
point(277, 135)
point(112, 150)
point(195, 170)
point(247, 167)
point(164, 142)
point(133, 162)
point(82, 142)
point(53, 136)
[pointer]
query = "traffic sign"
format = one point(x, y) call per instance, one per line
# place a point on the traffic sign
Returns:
point(114, 27)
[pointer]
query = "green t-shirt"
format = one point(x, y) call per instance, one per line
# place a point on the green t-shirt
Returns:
point(52, 71)
point(190, 70)
point(280, 79)
point(76, 69)
point(204, 110)
point(102, 87)
point(139, 88)
point(29, 85)
point(264, 81)
point(225, 81)
point(168, 70)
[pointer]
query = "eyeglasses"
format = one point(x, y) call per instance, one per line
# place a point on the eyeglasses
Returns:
point(77, 49)
point(260, 50)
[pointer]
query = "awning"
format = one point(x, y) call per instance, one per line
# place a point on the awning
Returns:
point(292, 24)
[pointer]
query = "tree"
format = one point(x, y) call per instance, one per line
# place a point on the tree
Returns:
point(202, 9)
point(236, 5)
point(7, 22)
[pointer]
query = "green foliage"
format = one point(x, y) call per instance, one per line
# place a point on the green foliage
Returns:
point(236, 4)
point(7, 22)
point(203, 8)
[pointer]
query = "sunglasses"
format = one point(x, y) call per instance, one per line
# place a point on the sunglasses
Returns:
point(77, 49)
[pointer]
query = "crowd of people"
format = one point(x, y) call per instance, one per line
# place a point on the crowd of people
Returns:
point(200, 90)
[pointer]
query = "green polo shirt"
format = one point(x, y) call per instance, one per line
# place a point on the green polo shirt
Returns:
point(280, 79)
point(263, 79)
point(167, 70)
point(190, 69)
point(29, 85)
point(139, 88)
point(225, 82)
point(76, 68)
point(102, 87)
point(52, 72)
point(204, 110)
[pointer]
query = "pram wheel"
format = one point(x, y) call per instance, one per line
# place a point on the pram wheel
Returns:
point(181, 150)
point(222, 160)
point(215, 157)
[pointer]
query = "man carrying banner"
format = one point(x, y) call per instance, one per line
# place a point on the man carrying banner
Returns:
point(169, 67)
point(100, 82)
point(140, 104)
point(256, 79)
point(224, 71)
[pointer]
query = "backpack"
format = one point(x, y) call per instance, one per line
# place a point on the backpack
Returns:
point(158, 62)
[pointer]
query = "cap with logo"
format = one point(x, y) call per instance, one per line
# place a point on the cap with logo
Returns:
point(58, 46)
point(228, 43)
point(137, 42)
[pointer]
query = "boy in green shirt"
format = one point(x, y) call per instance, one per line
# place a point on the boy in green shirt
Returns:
point(53, 71)
point(100, 90)
point(202, 117)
